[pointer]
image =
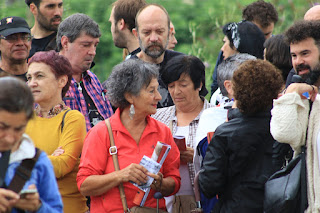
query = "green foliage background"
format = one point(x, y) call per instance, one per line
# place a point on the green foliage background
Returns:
point(198, 24)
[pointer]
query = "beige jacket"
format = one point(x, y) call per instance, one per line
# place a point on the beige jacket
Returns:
point(288, 125)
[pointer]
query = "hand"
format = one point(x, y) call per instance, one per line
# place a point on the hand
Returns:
point(157, 182)
point(7, 199)
point(301, 88)
point(135, 173)
point(187, 156)
point(58, 151)
point(29, 203)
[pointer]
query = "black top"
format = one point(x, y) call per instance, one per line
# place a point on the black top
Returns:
point(93, 113)
point(166, 100)
point(4, 163)
point(21, 76)
point(43, 44)
point(238, 162)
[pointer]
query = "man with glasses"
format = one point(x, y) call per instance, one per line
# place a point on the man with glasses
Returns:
point(15, 45)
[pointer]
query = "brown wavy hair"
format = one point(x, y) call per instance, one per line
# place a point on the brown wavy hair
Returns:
point(261, 12)
point(255, 84)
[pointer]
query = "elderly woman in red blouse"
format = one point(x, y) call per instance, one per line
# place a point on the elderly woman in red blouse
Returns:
point(133, 88)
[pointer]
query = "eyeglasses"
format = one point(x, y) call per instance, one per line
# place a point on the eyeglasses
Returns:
point(14, 37)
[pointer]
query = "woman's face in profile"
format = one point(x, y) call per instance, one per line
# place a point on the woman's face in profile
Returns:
point(182, 91)
point(45, 87)
point(146, 102)
point(226, 49)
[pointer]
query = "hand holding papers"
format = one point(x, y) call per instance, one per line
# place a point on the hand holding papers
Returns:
point(153, 165)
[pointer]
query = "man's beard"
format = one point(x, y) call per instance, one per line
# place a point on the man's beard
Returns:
point(313, 76)
point(302, 67)
point(119, 39)
point(47, 25)
point(153, 53)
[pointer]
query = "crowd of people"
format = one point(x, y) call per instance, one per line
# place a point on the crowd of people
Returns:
point(69, 143)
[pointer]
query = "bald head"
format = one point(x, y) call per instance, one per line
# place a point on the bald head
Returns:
point(153, 13)
point(313, 13)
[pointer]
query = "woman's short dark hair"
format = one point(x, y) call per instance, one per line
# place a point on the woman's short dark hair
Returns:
point(15, 96)
point(255, 84)
point(246, 37)
point(59, 64)
point(278, 53)
point(130, 76)
point(186, 64)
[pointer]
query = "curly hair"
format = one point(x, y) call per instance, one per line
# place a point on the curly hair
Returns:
point(261, 12)
point(255, 84)
point(302, 30)
point(130, 76)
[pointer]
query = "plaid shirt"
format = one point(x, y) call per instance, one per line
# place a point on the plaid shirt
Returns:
point(168, 114)
point(75, 99)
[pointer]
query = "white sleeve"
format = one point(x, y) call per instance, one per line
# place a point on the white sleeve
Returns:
point(289, 120)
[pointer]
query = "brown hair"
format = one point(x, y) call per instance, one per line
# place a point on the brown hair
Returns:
point(255, 84)
point(261, 12)
point(127, 10)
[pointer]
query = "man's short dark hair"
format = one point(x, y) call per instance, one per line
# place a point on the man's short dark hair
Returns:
point(127, 10)
point(302, 30)
point(36, 2)
point(260, 12)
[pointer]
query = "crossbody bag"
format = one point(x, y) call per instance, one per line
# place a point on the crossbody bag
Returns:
point(113, 152)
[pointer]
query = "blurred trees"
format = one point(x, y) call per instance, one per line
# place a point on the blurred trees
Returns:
point(198, 24)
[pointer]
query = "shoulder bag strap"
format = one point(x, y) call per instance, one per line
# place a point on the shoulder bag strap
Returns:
point(62, 122)
point(4, 163)
point(303, 174)
point(23, 173)
point(113, 152)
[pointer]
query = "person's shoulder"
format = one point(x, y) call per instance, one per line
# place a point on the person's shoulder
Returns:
point(91, 74)
point(73, 114)
point(158, 124)
point(99, 128)
point(163, 112)
point(43, 159)
point(171, 53)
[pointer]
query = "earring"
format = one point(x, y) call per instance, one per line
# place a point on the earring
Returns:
point(131, 111)
point(199, 89)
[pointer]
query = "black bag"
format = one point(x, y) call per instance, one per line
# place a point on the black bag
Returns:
point(286, 190)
